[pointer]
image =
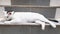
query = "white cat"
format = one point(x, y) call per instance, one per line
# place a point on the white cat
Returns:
point(25, 17)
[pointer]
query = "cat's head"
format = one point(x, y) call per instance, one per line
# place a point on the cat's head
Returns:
point(8, 13)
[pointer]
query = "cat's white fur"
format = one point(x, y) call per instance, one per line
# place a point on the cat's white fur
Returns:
point(25, 17)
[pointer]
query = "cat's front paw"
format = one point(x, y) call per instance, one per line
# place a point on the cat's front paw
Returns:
point(7, 22)
point(1, 22)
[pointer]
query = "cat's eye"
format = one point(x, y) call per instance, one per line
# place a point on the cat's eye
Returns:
point(9, 13)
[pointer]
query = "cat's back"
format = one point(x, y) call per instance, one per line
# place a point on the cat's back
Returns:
point(25, 14)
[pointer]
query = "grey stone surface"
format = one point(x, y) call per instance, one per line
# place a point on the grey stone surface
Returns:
point(28, 30)
point(31, 2)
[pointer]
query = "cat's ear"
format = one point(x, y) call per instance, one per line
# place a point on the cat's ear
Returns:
point(5, 12)
point(12, 12)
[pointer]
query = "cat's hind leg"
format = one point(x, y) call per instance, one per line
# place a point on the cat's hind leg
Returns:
point(42, 18)
point(41, 23)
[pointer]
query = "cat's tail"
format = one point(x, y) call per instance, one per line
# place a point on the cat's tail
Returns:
point(42, 24)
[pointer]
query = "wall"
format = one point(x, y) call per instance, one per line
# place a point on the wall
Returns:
point(54, 2)
point(5, 2)
point(1, 11)
point(57, 15)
